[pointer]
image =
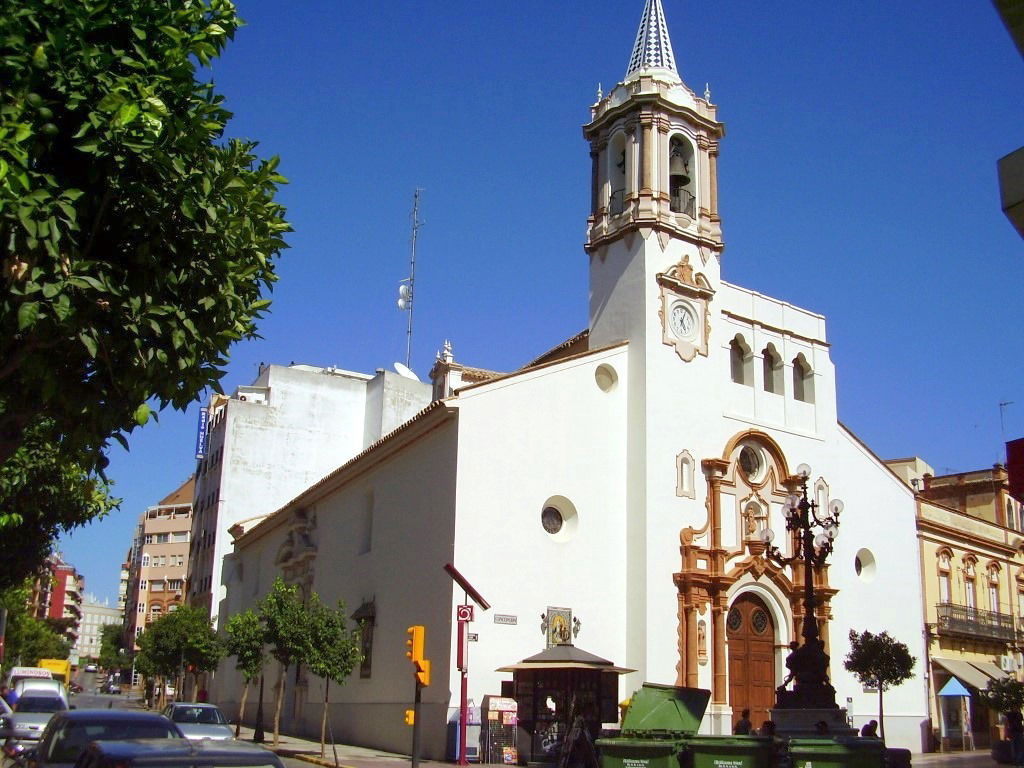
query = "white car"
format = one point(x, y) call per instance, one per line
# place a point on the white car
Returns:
point(198, 720)
point(91, 668)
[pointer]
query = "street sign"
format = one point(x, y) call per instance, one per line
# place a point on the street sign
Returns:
point(472, 637)
point(464, 613)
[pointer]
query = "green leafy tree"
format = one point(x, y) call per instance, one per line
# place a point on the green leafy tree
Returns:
point(1004, 695)
point(245, 643)
point(44, 491)
point(27, 639)
point(286, 627)
point(880, 661)
point(334, 650)
point(113, 655)
point(179, 641)
point(135, 242)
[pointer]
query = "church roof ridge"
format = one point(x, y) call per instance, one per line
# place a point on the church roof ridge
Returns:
point(653, 48)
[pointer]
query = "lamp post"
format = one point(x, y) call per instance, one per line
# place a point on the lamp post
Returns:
point(814, 530)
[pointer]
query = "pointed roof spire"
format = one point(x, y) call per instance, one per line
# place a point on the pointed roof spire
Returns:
point(652, 49)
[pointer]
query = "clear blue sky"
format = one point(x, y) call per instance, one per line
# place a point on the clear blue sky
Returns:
point(857, 179)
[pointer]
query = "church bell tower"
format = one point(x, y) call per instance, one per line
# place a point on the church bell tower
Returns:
point(654, 196)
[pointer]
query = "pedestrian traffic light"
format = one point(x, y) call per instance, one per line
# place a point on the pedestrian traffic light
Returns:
point(423, 672)
point(415, 643)
point(410, 717)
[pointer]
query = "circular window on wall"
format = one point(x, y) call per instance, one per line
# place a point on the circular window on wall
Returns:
point(864, 565)
point(752, 463)
point(559, 519)
point(760, 621)
point(734, 620)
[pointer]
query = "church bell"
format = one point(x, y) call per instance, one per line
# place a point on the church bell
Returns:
point(678, 170)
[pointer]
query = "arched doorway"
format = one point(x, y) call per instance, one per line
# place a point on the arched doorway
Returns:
point(751, 636)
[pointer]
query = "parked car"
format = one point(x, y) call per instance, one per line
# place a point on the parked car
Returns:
point(153, 753)
point(91, 668)
point(111, 686)
point(199, 721)
point(23, 727)
point(68, 732)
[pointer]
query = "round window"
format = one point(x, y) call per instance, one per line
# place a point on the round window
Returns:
point(760, 621)
point(735, 620)
point(864, 565)
point(551, 519)
point(752, 463)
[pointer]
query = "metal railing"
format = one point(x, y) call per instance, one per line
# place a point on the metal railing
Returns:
point(682, 202)
point(973, 622)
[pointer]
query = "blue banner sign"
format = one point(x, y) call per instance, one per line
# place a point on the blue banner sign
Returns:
point(201, 432)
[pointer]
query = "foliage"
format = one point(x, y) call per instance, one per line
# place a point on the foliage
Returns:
point(135, 244)
point(44, 491)
point(334, 649)
point(179, 640)
point(286, 630)
point(245, 643)
point(1004, 695)
point(879, 661)
point(113, 655)
point(28, 639)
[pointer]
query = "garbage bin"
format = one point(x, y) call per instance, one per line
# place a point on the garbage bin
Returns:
point(655, 728)
point(837, 753)
point(729, 752)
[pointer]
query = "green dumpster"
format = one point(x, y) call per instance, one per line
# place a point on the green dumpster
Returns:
point(730, 752)
point(656, 727)
point(837, 753)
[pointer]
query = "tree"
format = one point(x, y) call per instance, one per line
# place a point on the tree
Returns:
point(113, 655)
point(1004, 695)
point(880, 661)
point(179, 641)
point(286, 627)
point(44, 491)
point(245, 643)
point(135, 244)
point(28, 639)
point(334, 650)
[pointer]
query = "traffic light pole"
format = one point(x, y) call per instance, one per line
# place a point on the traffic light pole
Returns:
point(416, 727)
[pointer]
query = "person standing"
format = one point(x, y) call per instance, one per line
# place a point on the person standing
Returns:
point(743, 725)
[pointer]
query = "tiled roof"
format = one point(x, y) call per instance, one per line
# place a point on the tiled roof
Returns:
point(652, 49)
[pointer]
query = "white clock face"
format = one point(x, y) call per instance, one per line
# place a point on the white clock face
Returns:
point(682, 320)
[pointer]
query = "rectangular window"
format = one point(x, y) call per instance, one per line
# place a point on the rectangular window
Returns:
point(944, 596)
point(145, 561)
point(142, 607)
point(156, 586)
point(174, 585)
point(180, 536)
point(972, 597)
point(162, 538)
point(149, 538)
point(993, 597)
point(142, 583)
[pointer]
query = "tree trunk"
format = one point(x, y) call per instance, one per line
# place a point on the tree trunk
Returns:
point(281, 678)
point(881, 718)
point(323, 721)
point(241, 707)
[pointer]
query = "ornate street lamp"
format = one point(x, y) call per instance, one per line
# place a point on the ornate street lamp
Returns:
point(816, 530)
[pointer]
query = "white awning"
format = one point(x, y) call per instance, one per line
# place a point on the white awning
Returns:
point(965, 672)
point(989, 669)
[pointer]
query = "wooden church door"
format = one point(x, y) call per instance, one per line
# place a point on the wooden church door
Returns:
point(751, 637)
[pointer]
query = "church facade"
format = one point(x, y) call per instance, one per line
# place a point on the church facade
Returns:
point(628, 483)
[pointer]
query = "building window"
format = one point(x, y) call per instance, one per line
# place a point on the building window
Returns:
point(772, 365)
point(993, 597)
point(179, 537)
point(970, 594)
point(142, 583)
point(174, 585)
point(365, 617)
point(944, 592)
point(740, 366)
point(156, 586)
point(617, 174)
point(803, 379)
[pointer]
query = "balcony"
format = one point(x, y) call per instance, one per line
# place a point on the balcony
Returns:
point(974, 623)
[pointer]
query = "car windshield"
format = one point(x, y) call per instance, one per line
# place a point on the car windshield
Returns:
point(72, 738)
point(40, 704)
point(204, 715)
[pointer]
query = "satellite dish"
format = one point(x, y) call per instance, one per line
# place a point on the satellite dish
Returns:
point(403, 370)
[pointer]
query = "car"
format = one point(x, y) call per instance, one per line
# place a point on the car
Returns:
point(91, 668)
point(199, 720)
point(111, 686)
point(23, 727)
point(159, 753)
point(68, 732)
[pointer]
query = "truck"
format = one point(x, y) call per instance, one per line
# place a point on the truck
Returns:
point(60, 668)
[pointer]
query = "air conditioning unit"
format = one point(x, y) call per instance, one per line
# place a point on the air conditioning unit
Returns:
point(1007, 663)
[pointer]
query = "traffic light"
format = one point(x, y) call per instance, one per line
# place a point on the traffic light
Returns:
point(423, 672)
point(415, 643)
point(410, 717)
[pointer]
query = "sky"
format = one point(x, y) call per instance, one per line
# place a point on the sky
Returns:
point(857, 179)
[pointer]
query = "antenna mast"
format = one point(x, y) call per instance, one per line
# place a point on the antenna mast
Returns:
point(406, 286)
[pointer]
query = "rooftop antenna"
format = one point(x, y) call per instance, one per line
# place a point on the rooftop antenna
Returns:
point(405, 287)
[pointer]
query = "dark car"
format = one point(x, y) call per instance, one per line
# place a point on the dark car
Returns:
point(23, 728)
point(158, 753)
point(68, 732)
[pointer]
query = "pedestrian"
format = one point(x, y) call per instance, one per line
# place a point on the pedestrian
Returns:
point(870, 730)
point(768, 728)
point(9, 695)
point(743, 725)
point(1015, 735)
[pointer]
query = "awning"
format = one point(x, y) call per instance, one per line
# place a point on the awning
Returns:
point(989, 669)
point(963, 671)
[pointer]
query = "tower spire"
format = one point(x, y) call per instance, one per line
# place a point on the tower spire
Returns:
point(653, 48)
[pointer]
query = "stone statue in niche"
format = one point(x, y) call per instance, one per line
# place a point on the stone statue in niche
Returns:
point(702, 642)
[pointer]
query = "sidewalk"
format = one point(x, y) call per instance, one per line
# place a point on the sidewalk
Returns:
point(348, 756)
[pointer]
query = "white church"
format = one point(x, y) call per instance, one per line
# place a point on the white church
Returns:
point(620, 485)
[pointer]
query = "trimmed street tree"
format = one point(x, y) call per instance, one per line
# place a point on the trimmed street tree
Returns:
point(1004, 695)
point(179, 641)
point(112, 652)
point(334, 650)
point(880, 661)
point(245, 643)
point(135, 242)
point(286, 627)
